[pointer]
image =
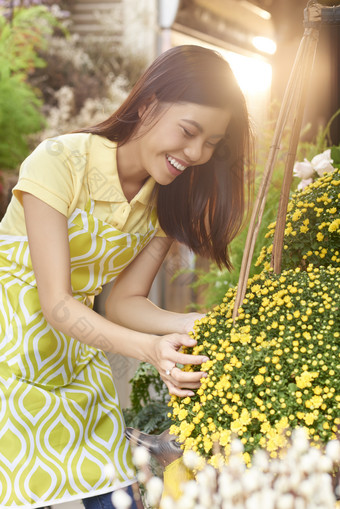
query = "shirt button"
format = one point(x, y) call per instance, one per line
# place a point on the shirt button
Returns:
point(126, 210)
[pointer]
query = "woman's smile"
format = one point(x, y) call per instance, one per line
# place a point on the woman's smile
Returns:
point(175, 166)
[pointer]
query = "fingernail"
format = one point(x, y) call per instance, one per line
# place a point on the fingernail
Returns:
point(204, 375)
point(191, 394)
point(205, 359)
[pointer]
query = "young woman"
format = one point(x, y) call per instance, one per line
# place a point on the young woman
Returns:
point(95, 206)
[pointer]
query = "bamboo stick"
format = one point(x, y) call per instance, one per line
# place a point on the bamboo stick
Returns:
point(306, 71)
point(304, 56)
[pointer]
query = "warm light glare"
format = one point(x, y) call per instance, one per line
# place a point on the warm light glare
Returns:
point(257, 10)
point(254, 76)
point(264, 44)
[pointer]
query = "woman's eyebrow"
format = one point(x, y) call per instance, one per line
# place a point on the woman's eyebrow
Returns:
point(199, 127)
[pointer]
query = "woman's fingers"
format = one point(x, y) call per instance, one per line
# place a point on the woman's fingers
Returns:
point(181, 382)
point(184, 358)
point(187, 377)
point(176, 342)
point(177, 391)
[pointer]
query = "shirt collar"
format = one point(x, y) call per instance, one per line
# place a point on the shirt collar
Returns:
point(103, 178)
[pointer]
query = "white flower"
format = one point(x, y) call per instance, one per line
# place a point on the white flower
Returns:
point(110, 472)
point(154, 490)
point(190, 489)
point(141, 456)
point(268, 498)
point(304, 170)
point(235, 489)
point(322, 162)
point(306, 488)
point(323, 492)
point(304, 183)
point(300, 503)
point(121, 499)
point(207, 477)
point(168, 503)
point(253, 501)
point(282, 484)
point(237, 465)
point(224, 482)
point(260, 460)
point(191, 459)
point(306, 464)
point(300, 440)
point(251, 480)
point(333, 450)
point(205, 498)
point(285, 502)
point(141, 477)
point(185, 502)
point(295, 478)
point(236, 446)
point(324, 464)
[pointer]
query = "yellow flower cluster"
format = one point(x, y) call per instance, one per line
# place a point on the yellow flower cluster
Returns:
point(277, 367)
point(314, 213)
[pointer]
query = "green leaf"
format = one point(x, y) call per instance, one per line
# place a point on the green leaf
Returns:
point(335, 155)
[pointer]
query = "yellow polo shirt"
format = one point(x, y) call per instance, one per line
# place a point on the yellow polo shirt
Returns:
point(66, 171)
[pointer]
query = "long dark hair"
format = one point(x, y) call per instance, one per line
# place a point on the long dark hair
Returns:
point(204, 206)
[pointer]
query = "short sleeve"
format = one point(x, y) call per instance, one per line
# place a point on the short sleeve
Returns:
point(53, 171)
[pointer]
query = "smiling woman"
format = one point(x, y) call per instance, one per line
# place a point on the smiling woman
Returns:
point(204, 206)
point(97, 206)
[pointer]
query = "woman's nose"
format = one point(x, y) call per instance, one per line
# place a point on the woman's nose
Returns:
point(193, 151)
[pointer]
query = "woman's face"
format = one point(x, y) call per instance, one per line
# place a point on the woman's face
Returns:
point(183, 135)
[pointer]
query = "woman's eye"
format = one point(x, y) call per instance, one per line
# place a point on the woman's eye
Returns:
point(187, 133)
point(211, 144)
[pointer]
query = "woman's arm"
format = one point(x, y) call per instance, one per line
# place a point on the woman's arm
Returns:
point(47, 232)
point(128, 305)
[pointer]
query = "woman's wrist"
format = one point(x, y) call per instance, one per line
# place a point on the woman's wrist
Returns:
point(147, 351)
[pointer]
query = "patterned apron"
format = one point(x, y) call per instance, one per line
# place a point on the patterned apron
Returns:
point(60, 419)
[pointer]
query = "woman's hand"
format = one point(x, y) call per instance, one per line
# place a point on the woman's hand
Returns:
point(167, 353)
point(189, 320)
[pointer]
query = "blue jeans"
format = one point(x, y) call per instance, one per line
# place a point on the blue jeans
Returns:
point(104, 501)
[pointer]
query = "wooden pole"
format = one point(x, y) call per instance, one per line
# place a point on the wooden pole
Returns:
point(295, 96)
point(306, 70)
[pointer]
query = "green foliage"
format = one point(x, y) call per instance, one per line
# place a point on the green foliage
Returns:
point(19, 117)
point(309, 149)
point(152, 418)
point(149, 399)
point(20, 106)
point(22, 38)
